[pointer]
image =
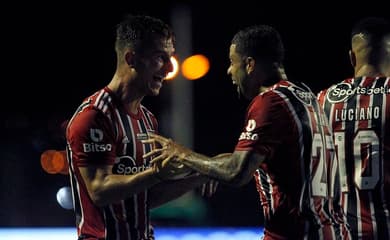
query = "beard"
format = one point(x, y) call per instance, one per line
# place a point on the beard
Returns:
point(238, 92)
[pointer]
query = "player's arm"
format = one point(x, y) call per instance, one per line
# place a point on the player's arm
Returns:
point(104, 187)
point(92, 128)
point(235, 168)
point(171, 189)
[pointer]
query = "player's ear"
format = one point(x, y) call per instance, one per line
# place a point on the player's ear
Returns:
point(129, 57)
point(250, 64)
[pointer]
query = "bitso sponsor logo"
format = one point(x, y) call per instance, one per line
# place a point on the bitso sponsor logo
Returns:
point(248, 134)
point(343, 91)
point(251, 125)
point(96, 147)
point(96, 136)
point(126, 165)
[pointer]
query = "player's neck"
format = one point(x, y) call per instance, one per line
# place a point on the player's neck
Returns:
point(367, 70)
point(128, 94)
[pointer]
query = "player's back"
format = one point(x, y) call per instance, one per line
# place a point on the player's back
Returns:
point(358, 110)
point(298, 181)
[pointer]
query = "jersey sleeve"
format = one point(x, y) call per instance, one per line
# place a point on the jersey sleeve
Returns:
point(91, 139)
point(265, 125)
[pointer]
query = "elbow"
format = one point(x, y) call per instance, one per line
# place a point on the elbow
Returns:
point(98, 195)
point(238, 179)
point(232, 178)
point(97, 199)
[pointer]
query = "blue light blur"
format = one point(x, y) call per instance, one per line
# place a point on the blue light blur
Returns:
point(212, 233)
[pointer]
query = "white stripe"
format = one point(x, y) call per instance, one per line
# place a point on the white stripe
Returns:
point(120, 124)
point(144, 162)
point(270, 192)
point(136, 223)
point(101, 93)
point(383, 130)
point(299, 126)
point(358, 106)
point(116, 221)
point(124, 214)
point(371, 206)
point(358, 213)
point(109, 99)
point(135, 198)
point(132, 137)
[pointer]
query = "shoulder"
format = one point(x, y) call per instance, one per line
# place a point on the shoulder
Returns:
point(334, 90)
point(92, 112)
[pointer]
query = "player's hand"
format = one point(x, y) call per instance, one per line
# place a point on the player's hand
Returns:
point(169, 150)
point(170, 170)
point(208, 189)
point(166, 159)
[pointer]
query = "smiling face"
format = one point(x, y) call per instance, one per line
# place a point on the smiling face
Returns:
point(241, 71)
point(153, 65)
point(236, 69)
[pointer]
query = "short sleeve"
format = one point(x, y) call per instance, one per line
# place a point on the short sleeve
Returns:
point(266, 125)
point(90, 138)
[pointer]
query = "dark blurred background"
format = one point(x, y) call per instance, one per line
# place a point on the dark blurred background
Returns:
point(56, 54)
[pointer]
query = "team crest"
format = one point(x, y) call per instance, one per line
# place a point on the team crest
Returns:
point(303, 96)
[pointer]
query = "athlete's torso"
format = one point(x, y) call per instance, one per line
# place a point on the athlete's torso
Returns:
point(103, 132)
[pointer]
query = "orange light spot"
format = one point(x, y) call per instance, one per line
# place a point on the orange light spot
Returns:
point(53, 162)
point(195, 67)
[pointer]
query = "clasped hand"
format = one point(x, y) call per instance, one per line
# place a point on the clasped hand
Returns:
point(166, 159)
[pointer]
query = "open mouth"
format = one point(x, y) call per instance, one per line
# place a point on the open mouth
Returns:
point(158, 80)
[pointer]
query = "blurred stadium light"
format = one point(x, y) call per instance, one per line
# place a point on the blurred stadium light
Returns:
point(220, 233)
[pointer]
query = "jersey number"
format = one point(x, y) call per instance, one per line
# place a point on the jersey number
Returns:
point(365, 156)
point(319, 182)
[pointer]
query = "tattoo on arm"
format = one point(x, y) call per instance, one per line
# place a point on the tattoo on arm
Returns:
point(231, 167)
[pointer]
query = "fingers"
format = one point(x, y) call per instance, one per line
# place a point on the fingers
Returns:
point(154, 152)
point(157, 138)
point(209, 188)
point(150, 140)
point(157, 159)
point(214, 186)
point(165, 160)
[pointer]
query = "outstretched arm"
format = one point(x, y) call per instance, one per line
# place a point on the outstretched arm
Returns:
point(234, 168)
point(171, 189)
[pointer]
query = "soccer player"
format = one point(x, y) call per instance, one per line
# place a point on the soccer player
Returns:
point(113, 185)
point(285, 145)
point(358, 109)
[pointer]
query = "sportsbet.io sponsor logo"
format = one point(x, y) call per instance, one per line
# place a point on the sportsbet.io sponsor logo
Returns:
point(343, 91)
point(96, 136)
point(125, 165)
point(248, 134)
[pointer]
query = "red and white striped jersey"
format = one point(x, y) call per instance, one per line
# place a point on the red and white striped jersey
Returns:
point(297, 181)
point(103, 132)
point(358, 110)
